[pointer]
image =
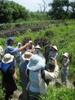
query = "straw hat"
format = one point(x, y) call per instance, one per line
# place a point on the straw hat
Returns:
point(1, 50)
point(27, 55)
point(36, 62)
point(55, 47)
point(37, 47)
point(8, 58)
point(66, 54)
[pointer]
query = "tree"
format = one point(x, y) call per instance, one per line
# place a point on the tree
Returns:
point(11, 11)
point(58, 11)
point(44, 6)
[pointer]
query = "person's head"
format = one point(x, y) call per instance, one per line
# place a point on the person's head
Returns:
point(19, 44)
point(37, 49)
point(31, 42)
point(54, 48)
point(66, 55)
point(10, 41)
point(26, 56)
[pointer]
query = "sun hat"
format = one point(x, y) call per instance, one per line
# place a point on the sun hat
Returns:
point(30, 41)
point(27, 55)
point(66, 54)
point(55, 47)
point(37, 47)
point(1, 50)
point(36, 62)
point(19, 44)
point(8, 58)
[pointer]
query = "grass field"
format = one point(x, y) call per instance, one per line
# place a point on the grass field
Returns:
point(62, 35)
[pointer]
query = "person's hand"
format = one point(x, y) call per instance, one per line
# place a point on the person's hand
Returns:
point(14, 76)
point(28, 44)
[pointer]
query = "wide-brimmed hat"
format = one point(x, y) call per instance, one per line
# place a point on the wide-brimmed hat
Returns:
point(36, 62)
point(37, 47)
point(1, 50)
point(66, 54)
point(8, 58)
point(55, 47)
point(27, 55)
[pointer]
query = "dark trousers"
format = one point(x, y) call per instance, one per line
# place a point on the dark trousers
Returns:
point(34, 96)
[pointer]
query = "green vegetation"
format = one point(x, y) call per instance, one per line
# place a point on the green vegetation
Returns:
point(62, 9)
point(63, 35)
point(61, 93)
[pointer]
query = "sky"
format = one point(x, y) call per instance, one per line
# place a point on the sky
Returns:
point(33, 5)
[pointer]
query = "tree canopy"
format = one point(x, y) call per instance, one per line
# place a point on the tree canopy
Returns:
point(61, 9)
point(11, 11)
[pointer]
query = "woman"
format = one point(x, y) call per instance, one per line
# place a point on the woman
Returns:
point(23, 76)
point(36, 85)
point(8, 75)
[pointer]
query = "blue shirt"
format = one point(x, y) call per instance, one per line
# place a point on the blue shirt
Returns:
point(11, 50)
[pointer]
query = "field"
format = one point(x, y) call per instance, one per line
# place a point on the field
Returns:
point(62, 34)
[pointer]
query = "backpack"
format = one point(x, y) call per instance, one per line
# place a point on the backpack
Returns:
point(5, 67)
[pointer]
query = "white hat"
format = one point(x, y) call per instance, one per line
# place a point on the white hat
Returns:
point(36, 62)
point(26, 56)
point(8, 58)
point(37, 47)
point(55, 47)
point(19, 44)
point(66, 54)
point(30, 41)
point(1, 50)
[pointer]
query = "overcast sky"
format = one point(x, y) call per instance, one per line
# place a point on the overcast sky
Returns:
point(33, 5)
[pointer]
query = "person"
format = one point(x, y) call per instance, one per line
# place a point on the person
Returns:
point(1, 54)
point(36, 85)
point(64, 68)
point(23, 76)
point(10, 49)
point(8, 75)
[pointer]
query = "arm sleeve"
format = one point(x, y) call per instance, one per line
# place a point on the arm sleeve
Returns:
point(15, 50)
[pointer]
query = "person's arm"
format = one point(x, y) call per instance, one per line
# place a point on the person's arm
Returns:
point(23, 47)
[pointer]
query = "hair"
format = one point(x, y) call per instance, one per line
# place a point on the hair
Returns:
point(9, 42)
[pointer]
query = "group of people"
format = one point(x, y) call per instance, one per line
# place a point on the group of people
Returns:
point(36, 70)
